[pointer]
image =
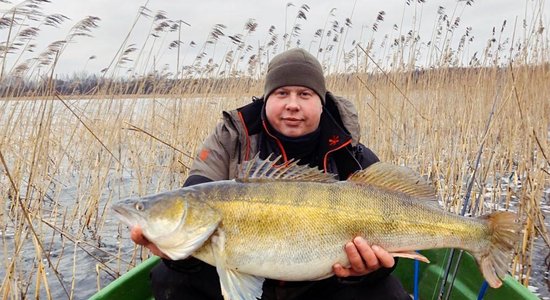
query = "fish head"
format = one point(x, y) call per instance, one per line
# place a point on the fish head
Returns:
point(156, 214)
point(177, 222)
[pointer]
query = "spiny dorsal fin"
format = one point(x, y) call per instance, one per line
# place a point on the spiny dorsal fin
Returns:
point(260, 170)
point(396, 178)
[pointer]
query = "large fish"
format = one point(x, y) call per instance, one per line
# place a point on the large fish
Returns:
point(290, 222)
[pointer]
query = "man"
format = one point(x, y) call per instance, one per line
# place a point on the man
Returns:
point(297, 119)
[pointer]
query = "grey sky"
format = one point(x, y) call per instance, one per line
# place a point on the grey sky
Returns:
point(117, 17)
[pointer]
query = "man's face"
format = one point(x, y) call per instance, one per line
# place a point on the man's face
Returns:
point(294, 111)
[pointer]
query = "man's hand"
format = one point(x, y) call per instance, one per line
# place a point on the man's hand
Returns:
point(364, 259)
point(137, 236)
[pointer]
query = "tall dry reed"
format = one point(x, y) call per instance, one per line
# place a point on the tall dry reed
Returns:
point(66, 156)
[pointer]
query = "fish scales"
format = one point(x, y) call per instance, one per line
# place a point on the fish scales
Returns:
point(300, 222)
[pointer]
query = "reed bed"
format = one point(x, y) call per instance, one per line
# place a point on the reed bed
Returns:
point(477, 127)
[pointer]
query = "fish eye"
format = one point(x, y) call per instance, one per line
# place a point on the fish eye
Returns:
point(139, 206)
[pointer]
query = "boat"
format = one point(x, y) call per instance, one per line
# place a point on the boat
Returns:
point(451, 274)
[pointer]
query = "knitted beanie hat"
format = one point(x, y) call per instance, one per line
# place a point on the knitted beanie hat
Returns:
point(295, 67)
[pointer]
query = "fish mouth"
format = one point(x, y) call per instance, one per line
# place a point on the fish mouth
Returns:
point(126, 216)
point(119, 209)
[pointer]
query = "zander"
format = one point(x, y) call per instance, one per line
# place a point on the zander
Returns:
point(290, 222)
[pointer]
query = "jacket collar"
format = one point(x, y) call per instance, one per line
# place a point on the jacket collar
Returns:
point(333, 136)
point(250, 115)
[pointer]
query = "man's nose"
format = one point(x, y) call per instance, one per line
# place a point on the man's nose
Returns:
point(292, 103)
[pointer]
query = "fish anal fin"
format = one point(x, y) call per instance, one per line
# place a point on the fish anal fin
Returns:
point(260, 170)
point(411, 255)
point(395, 178)
point(234, 284)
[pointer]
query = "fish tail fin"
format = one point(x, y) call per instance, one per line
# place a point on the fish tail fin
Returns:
point(494, 260)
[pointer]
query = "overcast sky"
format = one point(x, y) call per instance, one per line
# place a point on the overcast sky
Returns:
point(117, 17)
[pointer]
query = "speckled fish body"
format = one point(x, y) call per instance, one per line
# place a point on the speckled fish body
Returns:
point(291, 223)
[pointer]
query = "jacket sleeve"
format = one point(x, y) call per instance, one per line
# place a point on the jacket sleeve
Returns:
point(213, 159)
point(365, 156)
point(196, 179)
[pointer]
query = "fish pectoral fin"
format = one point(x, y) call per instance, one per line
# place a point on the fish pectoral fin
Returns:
point(240, 286)
point(411, 255)
point(235, 285)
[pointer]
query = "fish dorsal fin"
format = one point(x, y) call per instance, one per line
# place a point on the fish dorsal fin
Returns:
point(395, 178)
point(260, 170)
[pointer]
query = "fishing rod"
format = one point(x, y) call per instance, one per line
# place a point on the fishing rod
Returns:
point(465, 204)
